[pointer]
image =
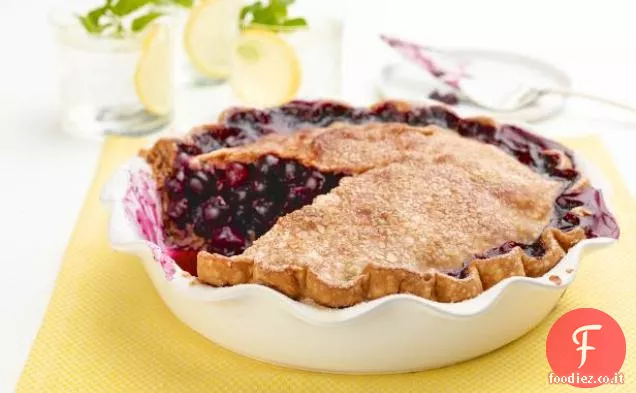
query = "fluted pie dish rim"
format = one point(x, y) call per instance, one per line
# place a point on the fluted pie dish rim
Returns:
point(418, 333)
point(516, 202)
point(124, 236)
point(555, 236)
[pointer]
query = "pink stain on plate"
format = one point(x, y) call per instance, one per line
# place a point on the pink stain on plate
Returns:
point(425, 58)
point(141, 204)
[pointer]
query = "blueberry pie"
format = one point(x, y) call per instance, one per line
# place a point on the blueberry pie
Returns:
point(339, 205)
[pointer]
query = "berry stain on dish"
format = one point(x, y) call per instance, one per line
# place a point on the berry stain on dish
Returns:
point(268, 184)
point(445, 98)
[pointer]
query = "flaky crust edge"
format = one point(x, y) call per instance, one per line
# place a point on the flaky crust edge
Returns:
point(301, 283)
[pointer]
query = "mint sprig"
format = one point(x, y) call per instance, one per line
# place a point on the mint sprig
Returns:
point(116, 18)
point(274, 15)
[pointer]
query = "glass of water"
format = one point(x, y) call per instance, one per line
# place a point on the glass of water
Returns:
point(113, 85)
point(274, 64)
point(319, 50)
point(204, 35)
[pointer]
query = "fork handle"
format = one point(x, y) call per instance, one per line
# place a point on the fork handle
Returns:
point(603, 100)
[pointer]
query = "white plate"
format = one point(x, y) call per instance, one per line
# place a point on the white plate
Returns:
point(406, 81)
point(396, 333)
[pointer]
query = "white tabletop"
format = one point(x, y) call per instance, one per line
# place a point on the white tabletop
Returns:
point(45, 174)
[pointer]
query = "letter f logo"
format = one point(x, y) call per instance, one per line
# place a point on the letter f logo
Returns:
point(584, 347)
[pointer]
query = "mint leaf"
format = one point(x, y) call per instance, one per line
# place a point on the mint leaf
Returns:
point(295, 22)
point(181, 3)
point(278, 12)
point(184, 3)
point(263, 16)
point(274, 14)
point(89, 24)
point(116, 18)
point(91, 21)
point(249, 9)
point(140, 23)
point(284, 3)
point(96, 14)
point(125, 7)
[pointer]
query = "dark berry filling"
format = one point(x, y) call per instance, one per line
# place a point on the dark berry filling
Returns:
point(596, 219)
point(186, 259)
point(234, 206)
point(535, 249)
point(230, 207)
point(446, 98)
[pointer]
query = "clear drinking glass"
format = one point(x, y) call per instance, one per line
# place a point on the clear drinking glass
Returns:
point(319, 50)
point(215, 29)
point(111, 85)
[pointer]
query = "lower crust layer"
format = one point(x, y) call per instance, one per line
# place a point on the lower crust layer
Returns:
point(301, 283)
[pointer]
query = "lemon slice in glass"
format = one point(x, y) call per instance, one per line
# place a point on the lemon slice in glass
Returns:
point(153, 83)
point(209, 35)
point(265, 69)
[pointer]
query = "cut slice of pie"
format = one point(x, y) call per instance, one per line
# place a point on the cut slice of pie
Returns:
point(369, 205)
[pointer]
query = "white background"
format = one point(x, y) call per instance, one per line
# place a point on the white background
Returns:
point(45, 174)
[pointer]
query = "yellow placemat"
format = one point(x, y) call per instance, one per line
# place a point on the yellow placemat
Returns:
point(107, 330)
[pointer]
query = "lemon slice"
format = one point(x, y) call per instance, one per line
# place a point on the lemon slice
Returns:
point(153, 75)
point(265, 69)
point(209, 36)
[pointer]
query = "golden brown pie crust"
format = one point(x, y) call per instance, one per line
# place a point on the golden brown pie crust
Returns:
point(371, 153)
point(490, 198)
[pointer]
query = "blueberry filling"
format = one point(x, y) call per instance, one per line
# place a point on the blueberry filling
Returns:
point(233, 206)
point(446, 98)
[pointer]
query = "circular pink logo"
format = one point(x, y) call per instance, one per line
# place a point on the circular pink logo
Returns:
point(586, 348)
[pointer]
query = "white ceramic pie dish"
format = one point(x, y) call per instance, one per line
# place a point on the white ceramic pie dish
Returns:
point(397, 333)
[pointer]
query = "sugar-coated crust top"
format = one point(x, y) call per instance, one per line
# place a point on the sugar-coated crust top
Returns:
point(420, 202)
point(430, 202)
